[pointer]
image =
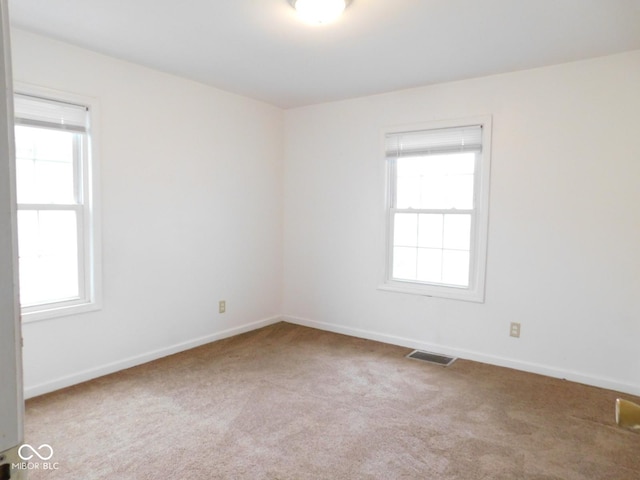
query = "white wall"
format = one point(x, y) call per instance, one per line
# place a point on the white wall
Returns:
point(564, 235)
point(191, 181)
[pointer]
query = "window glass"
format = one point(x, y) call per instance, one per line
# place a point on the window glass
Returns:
point(44, 165)
point(48, 249)
point(435, 181)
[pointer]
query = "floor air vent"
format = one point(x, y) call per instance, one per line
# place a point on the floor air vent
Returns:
point(442, 360)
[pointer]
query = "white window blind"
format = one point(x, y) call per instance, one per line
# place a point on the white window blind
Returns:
point(430, 142)
point(40, 112)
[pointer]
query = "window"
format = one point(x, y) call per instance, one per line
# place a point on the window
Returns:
point(57, 224)
point(438, 209)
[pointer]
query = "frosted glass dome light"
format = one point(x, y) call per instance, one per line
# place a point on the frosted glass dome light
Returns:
point(319, 11)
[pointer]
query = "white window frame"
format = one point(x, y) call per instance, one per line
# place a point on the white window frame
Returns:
point(89, 245)
point(475, 292)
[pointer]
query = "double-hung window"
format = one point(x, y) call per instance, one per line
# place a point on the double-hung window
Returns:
point(438, 209)
point(57, 224)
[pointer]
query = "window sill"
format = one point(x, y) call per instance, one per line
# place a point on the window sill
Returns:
point(451, 293)
point(48, 312)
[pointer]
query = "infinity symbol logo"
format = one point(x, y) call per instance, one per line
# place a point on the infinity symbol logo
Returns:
point(37, 451)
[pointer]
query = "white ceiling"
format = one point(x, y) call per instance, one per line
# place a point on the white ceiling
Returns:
point(259, 48)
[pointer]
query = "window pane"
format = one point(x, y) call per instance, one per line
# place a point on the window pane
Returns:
point(458, 191)
point(430, 231)
point(404, 263)
point(457, 232)
point(27, 233)
point(44, 160)
point(405, 229)
point(461, 163)
point(430, 265)
point(455, 268)
point(408, 192)
point(433, 192)
point(435, 181)
point(410, 167)
point(48, 249)
point(411, 173)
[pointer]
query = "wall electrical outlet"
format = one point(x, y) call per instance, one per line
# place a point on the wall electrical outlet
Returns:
point(222, 306)
point(514, 330)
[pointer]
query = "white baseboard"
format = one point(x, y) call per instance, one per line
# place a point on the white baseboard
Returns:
point(546, 370)
point(89, 374)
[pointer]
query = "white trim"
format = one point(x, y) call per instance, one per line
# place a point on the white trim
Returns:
point(89, 218)
point(106, 369)
point(59, 309)
point(530, 367)
point(426, 290)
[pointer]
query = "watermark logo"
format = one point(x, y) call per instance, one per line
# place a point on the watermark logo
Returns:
point(44, 452)
point(31, 456)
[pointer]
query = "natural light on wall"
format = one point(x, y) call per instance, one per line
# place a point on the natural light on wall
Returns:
point(319, 11)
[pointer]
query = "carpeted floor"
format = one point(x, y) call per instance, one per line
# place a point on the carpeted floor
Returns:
point(289, 402)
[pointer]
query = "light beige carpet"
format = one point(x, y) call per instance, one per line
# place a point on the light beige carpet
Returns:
point(288, 402)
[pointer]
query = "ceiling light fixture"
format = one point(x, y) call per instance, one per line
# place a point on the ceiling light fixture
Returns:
point(319, 11)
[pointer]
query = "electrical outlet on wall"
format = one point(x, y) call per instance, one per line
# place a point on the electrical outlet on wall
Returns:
point(222, 306)
point(514, 330)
